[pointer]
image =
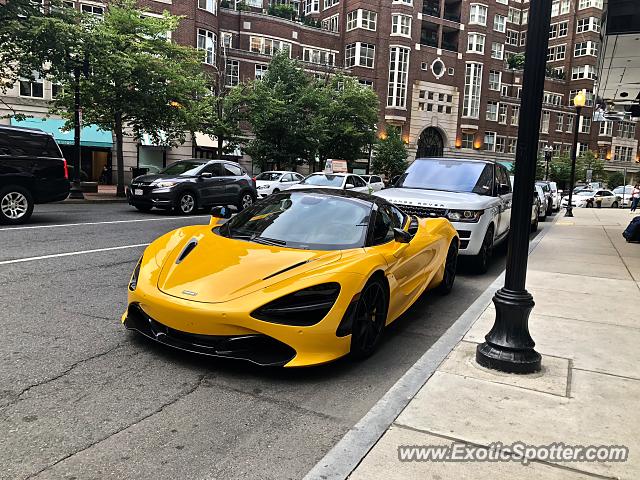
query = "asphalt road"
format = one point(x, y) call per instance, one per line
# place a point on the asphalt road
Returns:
point(80, 398)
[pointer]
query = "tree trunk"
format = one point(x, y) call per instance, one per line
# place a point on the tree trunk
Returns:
point(119, 155)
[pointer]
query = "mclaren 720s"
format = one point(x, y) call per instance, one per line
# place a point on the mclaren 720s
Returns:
point(300, 278)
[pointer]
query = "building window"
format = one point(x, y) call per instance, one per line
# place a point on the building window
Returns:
point(558, 30)
point(475, 43)
point(500, 23)
point(92, 10)
point(478, 14)
point(544, 122)
point(365, 19)
point(559, 122)
point(525, 16)
point(321, 57)
point(583, 71)
point(495, 78)
point(332, 23)
point(606, 128)
point(401, 25)
point(311, 6)
point(33, 88)
point(569, 123)
point(472, 88)
point(268, 46)
point(512, 38)
point(232, 73)
point(490, 141)
point(585, 48)
point(261, 71)
point(514, 15)
point(468, 140)
point(330, 3)
point(556, 52)
point(404, 2)
point(366, 83)
point(552, 99)
point(501, 144)
point(582, 4)
point(492, 111)
point(589, 24)
point(207, 43)
point(208, 5)
point(515, 115)
point(502, 114)
point(359, 54)
point(513, 145)
point(398, 73)
point(497, 50)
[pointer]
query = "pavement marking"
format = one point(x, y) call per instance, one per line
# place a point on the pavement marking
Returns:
point(69, 254)
point(353, 447)
point(100, 223)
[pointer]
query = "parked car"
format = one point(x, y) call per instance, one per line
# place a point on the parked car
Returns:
point(548, 196)
point(338, 181)
point(543, 199)
point(187, 185)
point(32, 170)
point(475, 195)
point(276, 181)
point(536, 208)
point(374, 181)
point(625, 194)
point(589, 199)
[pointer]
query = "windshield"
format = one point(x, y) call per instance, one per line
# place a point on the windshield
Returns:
point(323, 180)
point(586, 193)
point(185, 167)
point(449, 176)
point(269, 176)
point(619, 190)
point(303, 220)
point(366, 178)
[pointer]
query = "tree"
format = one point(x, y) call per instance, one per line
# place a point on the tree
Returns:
point(139, 80)
point(590, 161)
point(615, 179)
point(348, 112)
point(390, 154)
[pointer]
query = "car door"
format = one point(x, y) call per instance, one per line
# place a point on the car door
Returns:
point(232, 175)
point(607, 198)
point(210, 187)
point(507, 198)
point(286, 181)
point(359, 184)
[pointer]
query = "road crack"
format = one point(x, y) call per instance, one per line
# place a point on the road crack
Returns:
point(160, 409)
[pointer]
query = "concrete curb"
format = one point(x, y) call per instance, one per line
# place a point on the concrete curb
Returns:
point(347, 454)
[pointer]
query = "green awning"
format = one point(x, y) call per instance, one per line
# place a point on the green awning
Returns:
point(508, 165)
point(90, 135)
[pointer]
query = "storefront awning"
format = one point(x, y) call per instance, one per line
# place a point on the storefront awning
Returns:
point(508, 165)
point(147, 140)
point(90, 136)
point(207, 141)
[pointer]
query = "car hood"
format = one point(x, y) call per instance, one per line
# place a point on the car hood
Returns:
point(433, 198)
point(219, 269)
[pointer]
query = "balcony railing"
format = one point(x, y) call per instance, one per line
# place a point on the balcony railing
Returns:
point(453, 16)
point(432, 9)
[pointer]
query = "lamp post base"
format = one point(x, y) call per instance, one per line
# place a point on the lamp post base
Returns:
point(509, 346)
point(75, 191)
point(569, 212)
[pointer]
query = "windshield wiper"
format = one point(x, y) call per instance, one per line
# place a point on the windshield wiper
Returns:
point(269, 241)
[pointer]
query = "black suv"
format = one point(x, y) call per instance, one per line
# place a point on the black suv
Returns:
point(32, 171)
point(188, 185)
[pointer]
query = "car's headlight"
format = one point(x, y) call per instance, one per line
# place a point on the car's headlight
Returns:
point(164, 184)
point(470, 216)
point(133, 283)
point(302, 308)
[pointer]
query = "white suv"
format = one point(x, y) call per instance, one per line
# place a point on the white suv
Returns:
point(475, 195)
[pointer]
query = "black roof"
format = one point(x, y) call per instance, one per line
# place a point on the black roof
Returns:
point(35, 131)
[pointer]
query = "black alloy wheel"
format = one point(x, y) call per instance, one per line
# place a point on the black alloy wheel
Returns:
point(369, 319)
point(483, 258)
point(449, 269)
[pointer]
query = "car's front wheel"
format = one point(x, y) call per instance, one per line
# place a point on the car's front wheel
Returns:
point(245, 201)
point(16, 205)
point(483, 258)
point(186, 203)
point(536, 221)
point(614, 205)
point(450, 266)
point(369, 320)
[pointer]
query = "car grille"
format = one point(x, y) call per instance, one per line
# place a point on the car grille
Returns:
point(422, 212)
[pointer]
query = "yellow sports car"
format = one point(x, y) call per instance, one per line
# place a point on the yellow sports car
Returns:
point(300, 278)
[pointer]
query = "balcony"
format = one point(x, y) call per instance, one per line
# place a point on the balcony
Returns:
point(431, 8)
point(452, 9)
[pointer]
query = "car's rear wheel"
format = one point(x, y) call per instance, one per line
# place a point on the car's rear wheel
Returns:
point(483, 258)
point(614, 205)
point(186, 203)
point(245, 201)
point(16, 205)
point(144, 208)
point(450, 266)
point(369, 319)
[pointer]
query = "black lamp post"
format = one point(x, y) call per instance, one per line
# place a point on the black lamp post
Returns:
point(548, 152)
point(76, 190)
point(579, 101)
point(508, 347)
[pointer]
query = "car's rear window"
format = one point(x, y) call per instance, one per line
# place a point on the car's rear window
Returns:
point(26, 144)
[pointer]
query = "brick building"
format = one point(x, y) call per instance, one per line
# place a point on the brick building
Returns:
point(441, 68)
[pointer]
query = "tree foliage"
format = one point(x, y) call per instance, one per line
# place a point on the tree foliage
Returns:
point(390, 154)
point(615, 179)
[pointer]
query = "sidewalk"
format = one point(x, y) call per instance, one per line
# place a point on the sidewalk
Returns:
point(106, 194)
point(585, 280)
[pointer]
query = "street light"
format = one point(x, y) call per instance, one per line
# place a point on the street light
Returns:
point(508, 347)
point(579, 101)
point(548, 152)
point(79, 66)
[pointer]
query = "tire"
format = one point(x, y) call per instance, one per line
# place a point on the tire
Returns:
point(16, 205)
point(186, 203)
point(536, 222)
point(275, 190)
point(143, 208)
point(369, 320)
point(450, 266)
point(589, 205)
point(614, 205)
point(245, 201)
point(483, 258)
point(550, 210)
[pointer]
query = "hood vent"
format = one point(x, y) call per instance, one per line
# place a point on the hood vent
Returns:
point(188, 248)
point(291, 267)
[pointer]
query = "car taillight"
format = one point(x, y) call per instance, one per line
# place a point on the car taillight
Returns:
point(66, 168)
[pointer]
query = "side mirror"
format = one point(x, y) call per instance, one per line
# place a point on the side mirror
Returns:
point(226, 211)
point(401, 236)
point(503, 189)
point(349, 186)
point(206, 175)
